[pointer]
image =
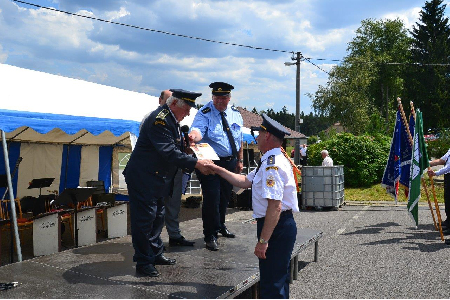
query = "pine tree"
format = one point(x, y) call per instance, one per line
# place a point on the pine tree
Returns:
point(428, 83)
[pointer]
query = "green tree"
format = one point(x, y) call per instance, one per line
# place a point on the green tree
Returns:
point(428, 79)
point(365, 82)
point(363, 157)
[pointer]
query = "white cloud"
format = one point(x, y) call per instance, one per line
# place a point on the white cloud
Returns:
point(147, 61)
point(409, 16)
point(114, 15)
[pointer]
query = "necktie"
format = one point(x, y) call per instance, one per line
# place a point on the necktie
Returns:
point(181, 138)
point(259, 165)
point(226, 128)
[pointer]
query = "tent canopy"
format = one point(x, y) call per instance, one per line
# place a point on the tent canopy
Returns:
point(21, 126)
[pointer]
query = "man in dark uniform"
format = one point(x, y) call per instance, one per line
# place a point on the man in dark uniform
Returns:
point(149, 176)
point(220, 126)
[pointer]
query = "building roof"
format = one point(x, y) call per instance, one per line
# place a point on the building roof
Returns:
point(252, 119)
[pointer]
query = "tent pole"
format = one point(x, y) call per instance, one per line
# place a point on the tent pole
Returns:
point(11, 198)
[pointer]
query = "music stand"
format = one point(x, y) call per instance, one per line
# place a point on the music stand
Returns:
point(3, 180)
point(40, 183)
point(73, 196)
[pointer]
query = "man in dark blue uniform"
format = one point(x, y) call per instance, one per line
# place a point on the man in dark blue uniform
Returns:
point(149, 176)
point(219, 125)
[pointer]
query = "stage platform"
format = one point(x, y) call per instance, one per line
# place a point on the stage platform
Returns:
point(106, 270)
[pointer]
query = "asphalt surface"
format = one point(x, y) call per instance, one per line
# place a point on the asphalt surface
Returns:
point(366, 251)
point(373, 252)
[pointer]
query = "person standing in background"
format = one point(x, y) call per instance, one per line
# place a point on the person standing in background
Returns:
point(304, 155)
point(327, 161)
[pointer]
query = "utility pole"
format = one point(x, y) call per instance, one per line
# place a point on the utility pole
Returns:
point(297, 58)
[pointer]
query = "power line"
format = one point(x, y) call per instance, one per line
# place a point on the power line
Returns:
point(172, 34)
point(152, 30)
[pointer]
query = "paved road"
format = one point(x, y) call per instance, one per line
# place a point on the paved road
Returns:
point(374, 252)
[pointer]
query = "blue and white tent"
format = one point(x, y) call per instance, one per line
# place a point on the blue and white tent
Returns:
point(71, 149)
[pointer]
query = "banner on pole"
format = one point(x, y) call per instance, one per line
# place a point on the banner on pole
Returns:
point(419, 162)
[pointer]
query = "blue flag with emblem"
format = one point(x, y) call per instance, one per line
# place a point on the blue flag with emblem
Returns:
point(391, 174)
point(405, 154)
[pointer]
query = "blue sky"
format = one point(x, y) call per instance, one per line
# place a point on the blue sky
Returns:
point(148, 62)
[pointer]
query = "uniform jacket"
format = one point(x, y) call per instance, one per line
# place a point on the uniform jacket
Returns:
point(157, 155)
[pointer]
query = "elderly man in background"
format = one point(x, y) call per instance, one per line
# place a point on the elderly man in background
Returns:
point(327, 161)
point(173, 203)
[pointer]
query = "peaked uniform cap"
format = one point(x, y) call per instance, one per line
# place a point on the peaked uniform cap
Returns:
point(186, 96)
point(221, 88)
point(273, 127)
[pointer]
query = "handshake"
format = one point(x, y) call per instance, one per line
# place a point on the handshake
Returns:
point(207, 167)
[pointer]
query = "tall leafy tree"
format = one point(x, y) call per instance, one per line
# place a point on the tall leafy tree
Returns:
point(366, 81)
point(428, 79)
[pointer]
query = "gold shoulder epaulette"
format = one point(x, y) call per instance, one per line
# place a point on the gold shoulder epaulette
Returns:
point(206, 110)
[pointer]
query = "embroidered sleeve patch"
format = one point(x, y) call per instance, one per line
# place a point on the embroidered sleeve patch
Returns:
point(162, 114)
point(160, 122)
point(270, 181)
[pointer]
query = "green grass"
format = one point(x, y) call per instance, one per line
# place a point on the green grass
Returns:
point(377, 193)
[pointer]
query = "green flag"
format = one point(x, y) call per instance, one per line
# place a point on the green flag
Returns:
point(419, 162)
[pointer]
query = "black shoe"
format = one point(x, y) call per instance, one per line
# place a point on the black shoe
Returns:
point(180, 242)
point(212, 244)
point(162, 260)
point(226, 233)
point(147, 270)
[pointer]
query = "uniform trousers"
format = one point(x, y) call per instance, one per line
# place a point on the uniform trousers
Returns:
point(275, 269)
point(173, 206)
point(216, 193)
point(147, 221)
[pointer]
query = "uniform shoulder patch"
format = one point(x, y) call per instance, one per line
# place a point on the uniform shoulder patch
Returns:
point(206, 110)
point(160, 122)
point(162, 114)
point(271, 160)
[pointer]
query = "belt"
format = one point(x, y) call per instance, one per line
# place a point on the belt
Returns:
point(226, 158)
point(286, 212)
point(283, 213)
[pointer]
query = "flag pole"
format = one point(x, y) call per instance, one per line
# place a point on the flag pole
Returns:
point(438, 212)
point(423, 180)
point(405, 123)
point(295, 169)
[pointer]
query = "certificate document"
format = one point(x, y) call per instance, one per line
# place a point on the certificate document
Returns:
point(205, 151)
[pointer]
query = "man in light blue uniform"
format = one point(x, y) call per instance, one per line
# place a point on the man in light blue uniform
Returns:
point(220, 126)
point(274, 199)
